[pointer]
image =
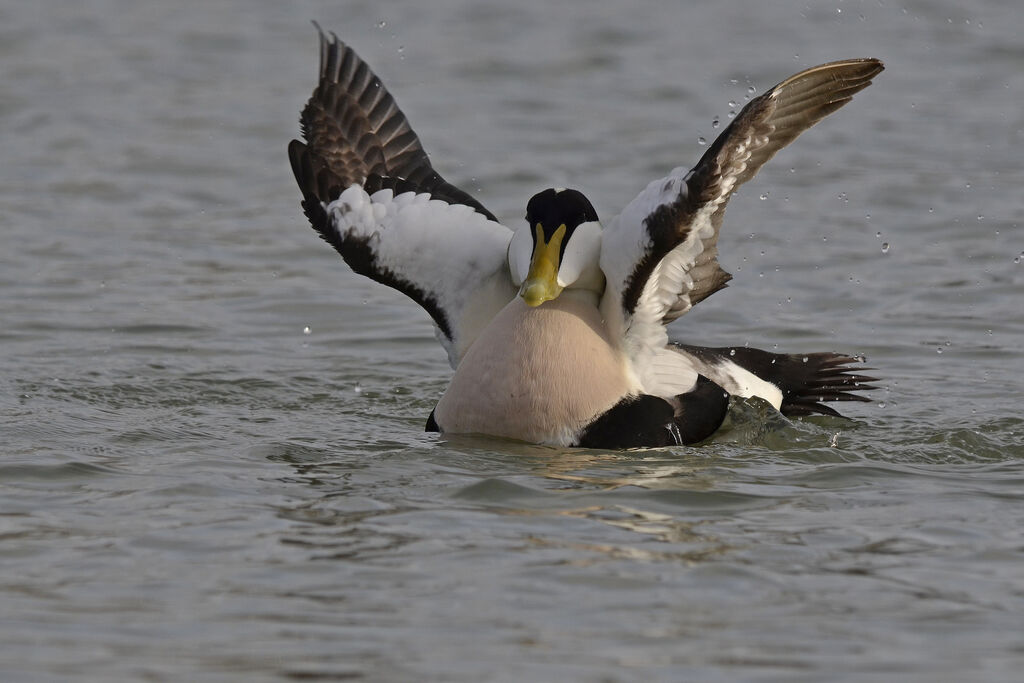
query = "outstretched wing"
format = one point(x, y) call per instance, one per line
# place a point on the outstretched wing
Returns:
point(370, 191)
point(660, 255)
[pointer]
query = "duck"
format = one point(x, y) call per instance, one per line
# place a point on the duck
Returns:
point(555, 328)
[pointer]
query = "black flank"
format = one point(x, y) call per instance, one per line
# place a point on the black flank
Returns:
point(634, 422)
point(701, 411)
point(651, 422)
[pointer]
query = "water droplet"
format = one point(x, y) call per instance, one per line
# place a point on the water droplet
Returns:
point(881, 404)
point(931, 209)
point(885, 247)
point(967, 185)
point(878, 234)
point(938, 350)
point(357, 388)
point(981, 217)
point(702, 141)
point(751, 90)
point(732, 113)
point(381, 23)
point(715, 122)
point(732, 352)
point(761, 274)
point(732, 104)
point(306, 330)
point(764, 196)
point(792, 169)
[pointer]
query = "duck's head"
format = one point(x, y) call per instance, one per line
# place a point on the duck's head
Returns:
point(558, 248)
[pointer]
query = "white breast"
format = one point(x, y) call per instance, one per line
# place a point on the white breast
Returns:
point(536, 374)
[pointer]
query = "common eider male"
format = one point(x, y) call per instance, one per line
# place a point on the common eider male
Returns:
point(556, 328)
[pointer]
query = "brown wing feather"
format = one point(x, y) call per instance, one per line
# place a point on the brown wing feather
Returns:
point(355, 132)
point(767, 124)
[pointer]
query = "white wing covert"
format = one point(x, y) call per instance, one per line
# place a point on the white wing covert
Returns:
point(660, 255)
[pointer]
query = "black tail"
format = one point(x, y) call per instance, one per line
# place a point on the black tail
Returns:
point(805, 380)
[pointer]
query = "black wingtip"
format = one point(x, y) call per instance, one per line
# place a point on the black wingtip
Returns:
point(806, 381)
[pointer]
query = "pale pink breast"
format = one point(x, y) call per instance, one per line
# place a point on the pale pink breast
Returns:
point(535, 374)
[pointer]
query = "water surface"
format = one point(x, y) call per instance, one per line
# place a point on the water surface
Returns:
point(213, 464)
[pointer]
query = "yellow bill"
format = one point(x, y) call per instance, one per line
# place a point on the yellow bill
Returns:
point(541, 282)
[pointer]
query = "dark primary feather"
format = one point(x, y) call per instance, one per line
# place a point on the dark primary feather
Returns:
point(763, 127)
point(771, 121)
point(805, 380)
point(354, 131)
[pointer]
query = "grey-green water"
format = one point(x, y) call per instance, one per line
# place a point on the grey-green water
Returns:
point(212, 462)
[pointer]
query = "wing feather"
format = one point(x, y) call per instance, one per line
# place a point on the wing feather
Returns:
point(370, 191)
point(660, 255)
point(353, 124)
